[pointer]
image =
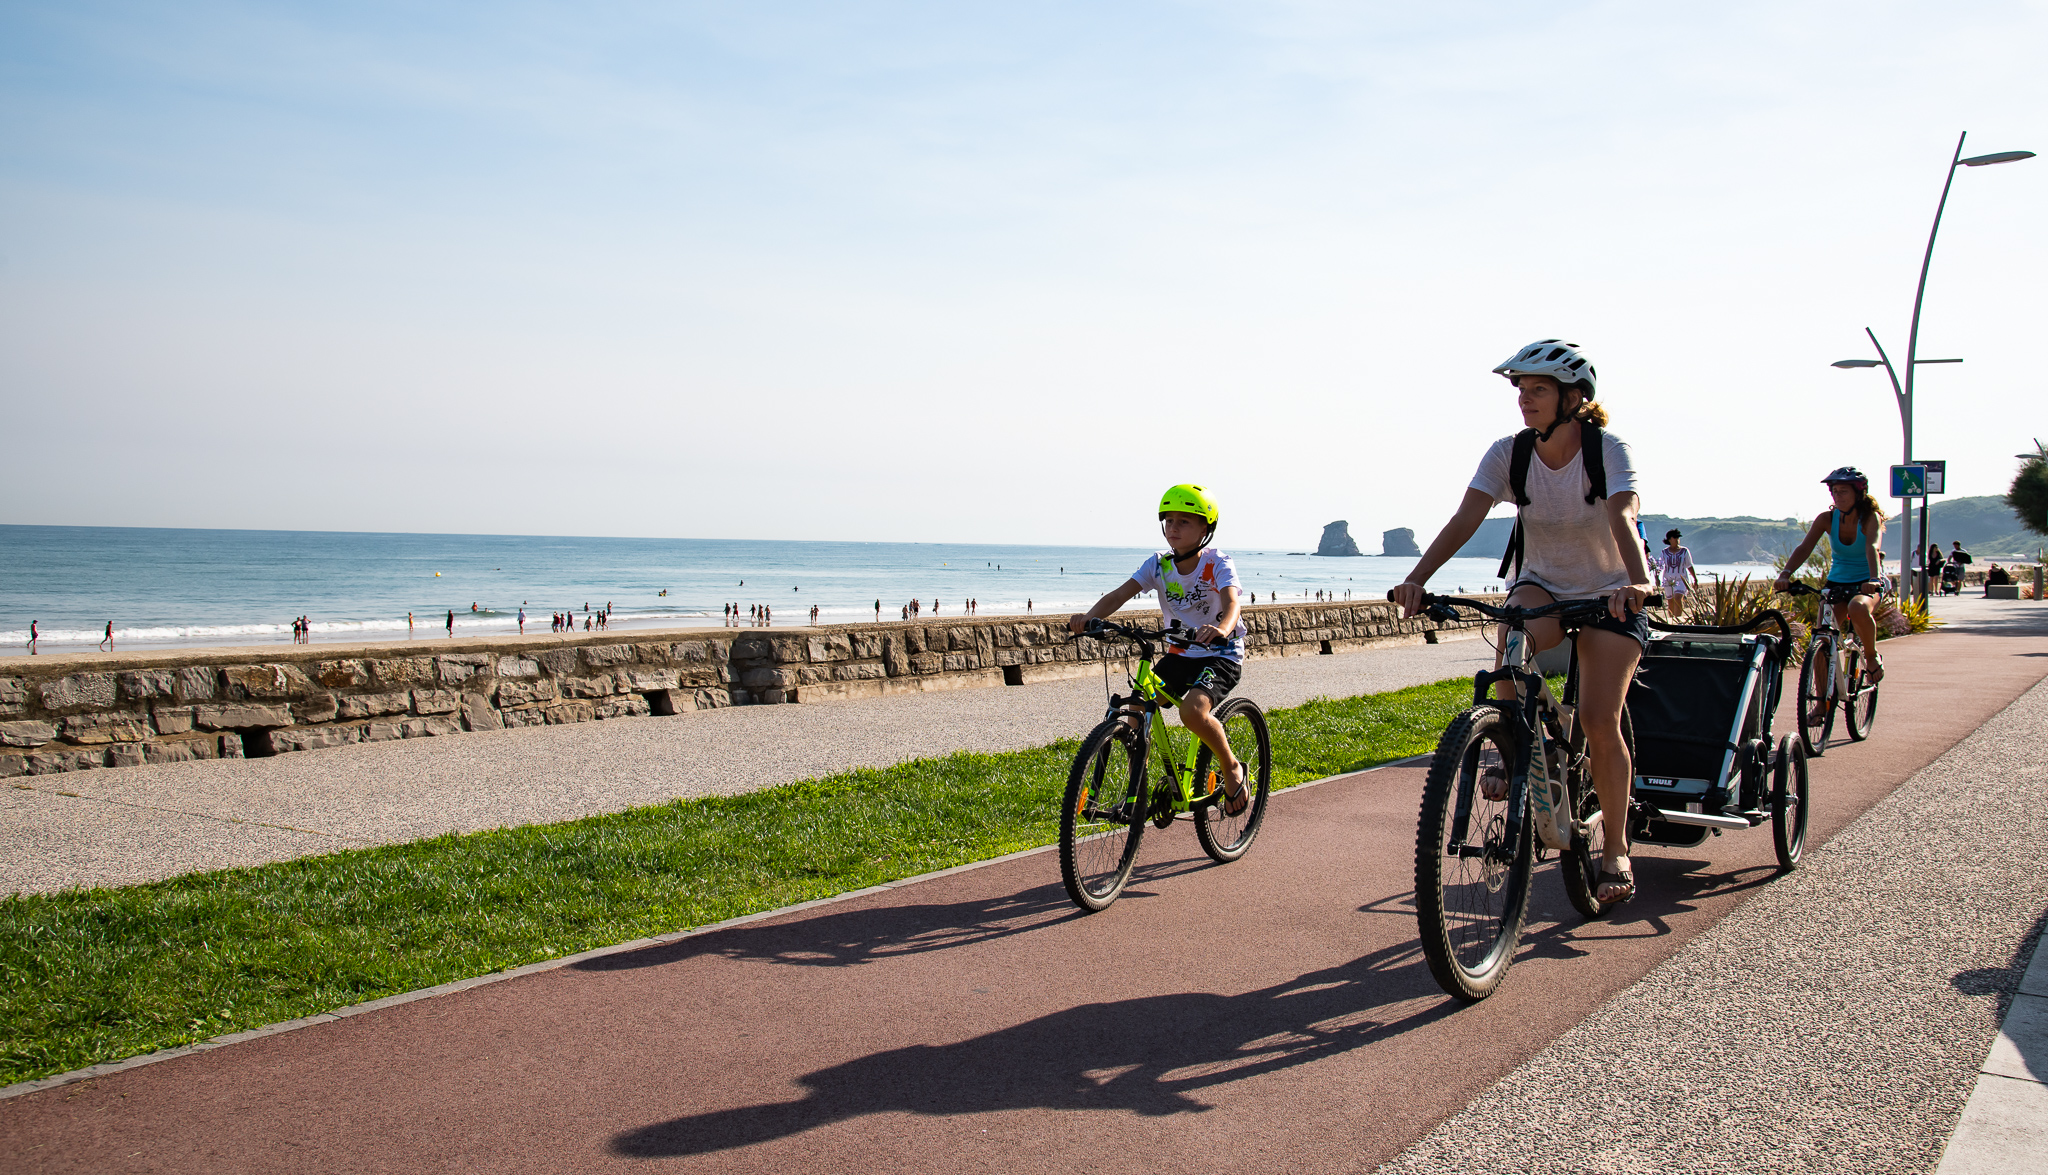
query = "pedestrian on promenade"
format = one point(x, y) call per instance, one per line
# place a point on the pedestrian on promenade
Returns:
point(451, 622)
point(108, 640)
point(1673, 566)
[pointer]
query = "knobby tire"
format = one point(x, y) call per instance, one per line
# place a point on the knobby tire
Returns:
point(1470, 906)
point(1225, 838)
point(1103, 816)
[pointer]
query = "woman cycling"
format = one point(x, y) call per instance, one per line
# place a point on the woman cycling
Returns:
point(1579, 542)
point(1854, 527)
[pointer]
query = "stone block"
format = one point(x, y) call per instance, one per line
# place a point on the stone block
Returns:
point(599, 658)
point(834, 646)
point(233, 717)
point(764, 678)
point(867, 646)
point(521, 693)
point(13, 765)
point(859, 671)
point(435, 701)
point(124, 755)
point(1005, 636)
point(315, 709)
point(630, 706)
point(266, 682)
point(373, 705)
point(653, 654)
point(958, 662)
point(402, 672)
point(812, 674)
point(585, 687)
point(26, 734)
point(197, 683)
point(753, 648)
point(382, 732)
point(13, 691)
point(518, 667)
point(342, 674)
point(179, 751)
point(766, 697)
point(460, 667)
point(926, 662)
point(712, 699)
point(634, 681)
point(516, 718)
point(789, 650)
point(960, 640)
point(913, 640)
point(564, 713)
point(230, 746)
point(80, 691)
point(700, 652)
point(56, 762)
point(143, 684)
point(478, 713)
point(895, 654)
point(109, 727)
point(312, 738)
point(558, 662)
point(439, 725)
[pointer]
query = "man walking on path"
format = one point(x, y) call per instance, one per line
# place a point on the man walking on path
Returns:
point(451, 622)
point(107, 641)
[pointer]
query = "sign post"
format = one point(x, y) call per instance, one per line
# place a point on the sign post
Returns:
point(1936, 482)
point(1910, 482)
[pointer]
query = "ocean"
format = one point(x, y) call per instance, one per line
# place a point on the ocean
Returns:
point(165, 588)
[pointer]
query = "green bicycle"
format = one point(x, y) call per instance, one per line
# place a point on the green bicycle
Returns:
point(1108, 801)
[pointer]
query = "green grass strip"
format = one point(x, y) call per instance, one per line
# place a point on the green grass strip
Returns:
point(94, 975)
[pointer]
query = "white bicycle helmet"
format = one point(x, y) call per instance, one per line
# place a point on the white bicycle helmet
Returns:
point(1555, 358)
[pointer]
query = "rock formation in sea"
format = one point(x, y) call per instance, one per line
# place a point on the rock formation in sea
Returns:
point(1399, 541)
point(1337, 540)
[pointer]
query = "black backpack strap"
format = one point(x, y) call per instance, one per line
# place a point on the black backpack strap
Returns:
point(1593, 455)
point(1518, 484)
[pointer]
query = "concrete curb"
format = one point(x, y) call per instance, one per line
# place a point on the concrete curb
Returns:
point(2004, 1127)
point(391, 1001)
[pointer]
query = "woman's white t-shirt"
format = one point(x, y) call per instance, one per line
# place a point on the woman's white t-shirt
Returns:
point(1568, 548)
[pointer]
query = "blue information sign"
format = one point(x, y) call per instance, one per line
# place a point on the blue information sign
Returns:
point(1909, 481)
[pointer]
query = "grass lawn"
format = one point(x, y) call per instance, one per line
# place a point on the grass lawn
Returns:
point(95, 975)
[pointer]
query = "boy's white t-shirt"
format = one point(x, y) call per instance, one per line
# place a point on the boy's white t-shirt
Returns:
point(1196, 598)
point(1568, 548)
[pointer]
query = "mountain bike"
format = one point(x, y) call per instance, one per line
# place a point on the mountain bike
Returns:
point(1109, 799)
point(1825, 678)
point(1474, 854)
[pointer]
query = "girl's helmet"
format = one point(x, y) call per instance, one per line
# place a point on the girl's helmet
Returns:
point(1559, 360)
point(1190, 499)
point(1851, 474)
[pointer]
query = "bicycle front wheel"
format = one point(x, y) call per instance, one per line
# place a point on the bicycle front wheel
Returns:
point(1225, 838)
point(1471, 884)
point(1103, 815)
point(1861, 707)
point(1817, 696)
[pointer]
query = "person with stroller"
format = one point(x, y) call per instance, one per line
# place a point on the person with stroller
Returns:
point(1579, 542)
point(1854, 527)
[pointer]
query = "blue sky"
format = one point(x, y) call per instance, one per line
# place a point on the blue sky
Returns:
point(946, 272)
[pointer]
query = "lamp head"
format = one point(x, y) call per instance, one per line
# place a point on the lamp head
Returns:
point(1999, 157)
point(1857, 363)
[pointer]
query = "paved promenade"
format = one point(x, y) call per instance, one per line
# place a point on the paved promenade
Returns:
point(1272, 1013)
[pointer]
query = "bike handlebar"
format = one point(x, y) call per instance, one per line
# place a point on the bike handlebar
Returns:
point(1173, 635)
point(1444, 608)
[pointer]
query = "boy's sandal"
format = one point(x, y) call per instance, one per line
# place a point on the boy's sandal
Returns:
point(1616, 886)
point(1237, 794)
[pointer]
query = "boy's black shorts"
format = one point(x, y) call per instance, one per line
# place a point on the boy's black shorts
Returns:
point(1215, 676)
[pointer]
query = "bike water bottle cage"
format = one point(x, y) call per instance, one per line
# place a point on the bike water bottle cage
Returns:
point(1592, 455)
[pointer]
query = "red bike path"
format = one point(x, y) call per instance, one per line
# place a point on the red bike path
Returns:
point(1274, 1011)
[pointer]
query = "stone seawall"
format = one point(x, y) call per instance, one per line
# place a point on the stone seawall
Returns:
point(85, 710)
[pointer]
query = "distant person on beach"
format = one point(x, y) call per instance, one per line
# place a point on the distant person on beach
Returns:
point(33, 637)
point(1027, 603)
point(1673, 567)
point(451, 622)
point(878, 611)
point(108, 640)
point(522, 620)
point(906, 611)
point(408, 626)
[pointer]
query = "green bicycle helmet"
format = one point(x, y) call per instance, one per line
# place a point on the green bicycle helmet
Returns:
point(1190, 499)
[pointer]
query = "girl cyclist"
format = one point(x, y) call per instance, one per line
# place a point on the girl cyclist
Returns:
point(1579, 542)
point(1854, 527)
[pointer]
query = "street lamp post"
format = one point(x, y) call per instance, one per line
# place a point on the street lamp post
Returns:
point(1905, 393)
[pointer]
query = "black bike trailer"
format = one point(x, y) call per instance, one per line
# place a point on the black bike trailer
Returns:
point(1701, 710)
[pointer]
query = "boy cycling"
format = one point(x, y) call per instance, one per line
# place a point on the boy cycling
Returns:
point(1197, 586)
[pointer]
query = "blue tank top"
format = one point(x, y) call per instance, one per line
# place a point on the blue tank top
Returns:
point(1851, 560)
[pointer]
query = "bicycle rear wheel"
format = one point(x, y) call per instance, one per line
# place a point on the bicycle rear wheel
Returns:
point(1816, 696)
point(1471, 894)
point(1103, 816)
point(1861, 707)
point(1225, 838)
point(1789, 809)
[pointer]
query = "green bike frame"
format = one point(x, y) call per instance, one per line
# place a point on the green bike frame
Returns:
point(1149, 691)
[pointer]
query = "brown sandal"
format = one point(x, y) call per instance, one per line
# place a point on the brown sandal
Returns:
point(1615, 887)
point(1237, 794)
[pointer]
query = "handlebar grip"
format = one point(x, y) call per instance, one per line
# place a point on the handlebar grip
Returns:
point(1654, 600)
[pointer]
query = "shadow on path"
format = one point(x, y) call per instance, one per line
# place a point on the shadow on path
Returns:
point(1150, 1055)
